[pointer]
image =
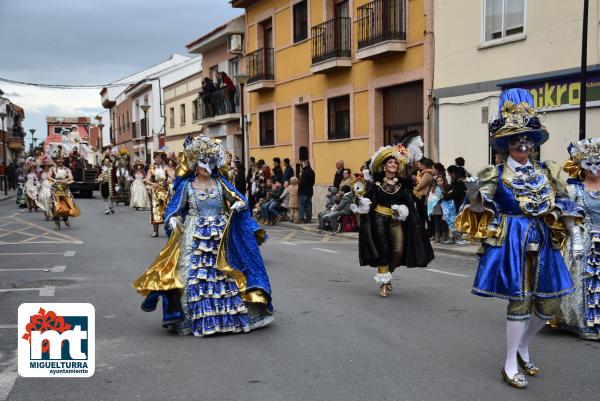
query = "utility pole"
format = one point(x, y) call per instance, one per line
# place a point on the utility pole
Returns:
point(583, 75)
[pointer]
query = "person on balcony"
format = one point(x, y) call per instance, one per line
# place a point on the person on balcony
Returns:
point(208, 88)
point(227, 83)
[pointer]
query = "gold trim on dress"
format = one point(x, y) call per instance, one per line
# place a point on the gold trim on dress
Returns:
point(384, 210)
point(162, 273)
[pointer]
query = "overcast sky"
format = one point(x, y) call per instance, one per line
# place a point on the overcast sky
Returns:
point(91, 42)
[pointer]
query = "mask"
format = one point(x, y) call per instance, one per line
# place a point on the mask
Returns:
point(522, 144)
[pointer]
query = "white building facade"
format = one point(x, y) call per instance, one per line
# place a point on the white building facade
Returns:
point(485, 46)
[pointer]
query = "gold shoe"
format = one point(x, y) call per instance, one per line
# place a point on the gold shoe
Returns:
point(528, 367)
point(383, 291)
point(518, 381)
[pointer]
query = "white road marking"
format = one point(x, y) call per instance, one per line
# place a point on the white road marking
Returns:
point(8, 377)
point(8, 326)
point(325, 250)
point(44, 291)
point(289, 236)
point(448, 273)
point(288, 243)
point(55, 269)
point(47, 291)
point(67, 253)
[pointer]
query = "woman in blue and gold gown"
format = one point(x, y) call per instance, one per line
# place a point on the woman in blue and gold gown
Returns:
point(210, 276)
point(580, 310)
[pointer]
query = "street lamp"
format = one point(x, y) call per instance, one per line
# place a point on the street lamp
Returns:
point(100, 126)
point(32, 141)
point(2, 117)
point(145, 108)
point(242, 79)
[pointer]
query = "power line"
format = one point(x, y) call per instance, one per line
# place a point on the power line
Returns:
point(66, 86)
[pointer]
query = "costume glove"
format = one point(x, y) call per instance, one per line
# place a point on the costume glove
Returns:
point(238, 206)
point(400, 212)
point(363, 207)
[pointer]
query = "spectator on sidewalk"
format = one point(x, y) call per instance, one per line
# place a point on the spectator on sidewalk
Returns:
point(249, 173)
point(271, 202)
point(240, 177)
point(305, 192)
point(288, 171)
point(424, 181)
point(280, 206)
point(434, 210)
point(339, 173)
point(265, 169)
point(277, 171)
point(342, 208)
point(293, 204)
point(10, 173)
point(460, 162)
point(330, 200)
point(456, 193)
point(346, 179)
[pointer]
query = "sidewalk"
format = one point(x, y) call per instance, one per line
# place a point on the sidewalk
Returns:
point(469, 251)
point(11, 194)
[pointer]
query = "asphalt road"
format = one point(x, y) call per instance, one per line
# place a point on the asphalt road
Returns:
point(333, 337)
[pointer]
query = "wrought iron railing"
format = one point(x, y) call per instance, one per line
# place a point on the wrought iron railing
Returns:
point(217, 103)
point(260, 65)
point(331, 39)
point(380, 21)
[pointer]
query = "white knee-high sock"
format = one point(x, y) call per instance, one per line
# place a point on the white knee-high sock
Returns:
point(514, 333)
point(535, 324)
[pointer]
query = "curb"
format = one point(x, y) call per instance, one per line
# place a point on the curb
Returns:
point(7, 197)
point(444, 250)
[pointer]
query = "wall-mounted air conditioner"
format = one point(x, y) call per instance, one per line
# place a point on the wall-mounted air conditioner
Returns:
point(236, 44)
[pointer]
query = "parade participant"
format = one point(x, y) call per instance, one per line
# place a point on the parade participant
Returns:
point(171, 171)
point(62, 204)
point(20, 175)
point(210, 276)
point(31, 185)
point(121, 178)
point(580, 311)
point(521, 212)
point(105, 179)
point(157, 181)
point(44, 194)
point(139, 194)
point(391, 231)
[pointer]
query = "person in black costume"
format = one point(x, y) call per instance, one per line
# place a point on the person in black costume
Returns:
point(391, 232)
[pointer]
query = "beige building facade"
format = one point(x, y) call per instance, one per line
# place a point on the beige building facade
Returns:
point(219, 109)
point(501, 44)
point(181, 111)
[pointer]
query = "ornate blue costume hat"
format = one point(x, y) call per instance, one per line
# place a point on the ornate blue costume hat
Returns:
point(516, 117)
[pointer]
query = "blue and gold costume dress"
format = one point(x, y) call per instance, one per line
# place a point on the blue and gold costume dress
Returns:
point(522, 234)
point(212, 266)
point(580, 311)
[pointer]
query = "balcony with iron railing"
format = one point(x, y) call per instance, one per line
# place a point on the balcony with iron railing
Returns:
point(218, 106)
point(260, 65)
point(331, 45)
point(381, 28)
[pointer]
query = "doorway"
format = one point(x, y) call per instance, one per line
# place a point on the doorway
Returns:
point(402, 112)
point(301, 132)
